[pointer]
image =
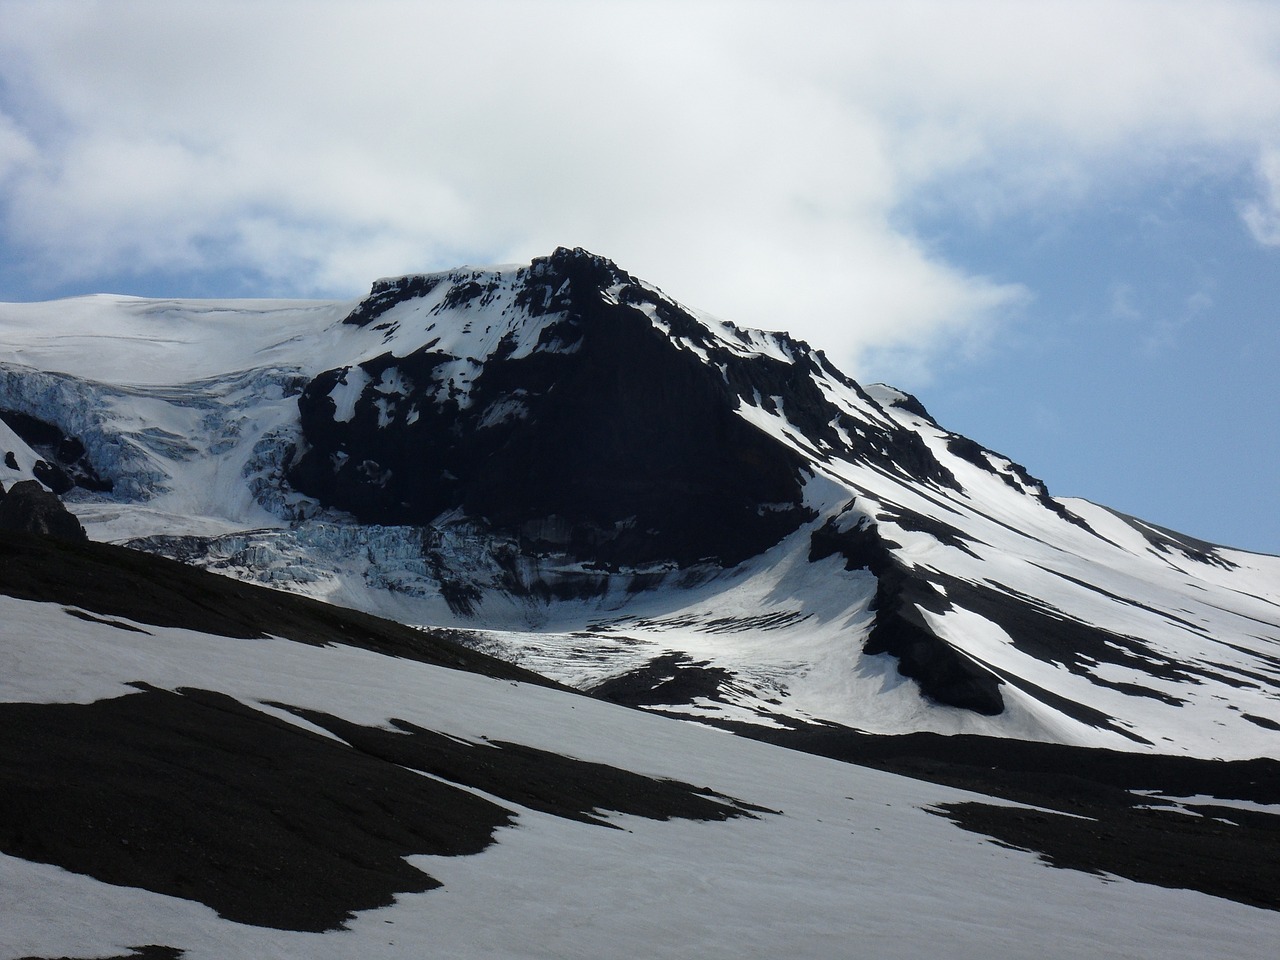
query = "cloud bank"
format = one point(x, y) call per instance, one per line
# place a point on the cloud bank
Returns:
point(760, 160)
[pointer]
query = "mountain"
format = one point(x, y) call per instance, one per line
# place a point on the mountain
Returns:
point(572, 515)
point(575, 472)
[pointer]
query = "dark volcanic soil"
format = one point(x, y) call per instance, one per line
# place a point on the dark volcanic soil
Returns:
point(151, 951)
point(196, 795)
point(1115, 827)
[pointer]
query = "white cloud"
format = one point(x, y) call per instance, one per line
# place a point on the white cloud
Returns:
point(749, 157)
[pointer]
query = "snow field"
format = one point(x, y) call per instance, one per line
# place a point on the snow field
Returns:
point(852, 866)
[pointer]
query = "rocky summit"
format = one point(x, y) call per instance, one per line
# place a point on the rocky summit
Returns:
point(565, 414)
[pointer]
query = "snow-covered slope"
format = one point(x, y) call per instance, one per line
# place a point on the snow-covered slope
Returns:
point(574, 471)
point(174, 785)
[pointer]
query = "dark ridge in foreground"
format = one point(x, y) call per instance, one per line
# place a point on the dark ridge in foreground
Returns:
point(1227, 853)
point(113, 582)
point(195, 795)
point(1120, 822)
point(151, 951)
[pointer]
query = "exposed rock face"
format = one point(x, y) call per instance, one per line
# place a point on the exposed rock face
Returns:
point(585, 414)
point(944, 673)
point(66, 463)
point(607, 441)
point(577, 413)
point(29, 508)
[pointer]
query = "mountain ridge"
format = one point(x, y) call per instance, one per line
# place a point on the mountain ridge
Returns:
point(561, 463)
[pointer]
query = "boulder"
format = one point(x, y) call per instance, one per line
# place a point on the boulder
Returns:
point(30, 508)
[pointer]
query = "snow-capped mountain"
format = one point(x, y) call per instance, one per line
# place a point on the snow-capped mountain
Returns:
point(559, 464)
point(573, 471)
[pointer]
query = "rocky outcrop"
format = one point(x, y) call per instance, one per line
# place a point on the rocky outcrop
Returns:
point(607, 442)
point(66, 463)
point(30, 508)
point(944, 674)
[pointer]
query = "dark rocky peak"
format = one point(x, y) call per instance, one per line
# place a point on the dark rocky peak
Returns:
point(560, 414)
point(582, 411)
point(893, 397)
point(550, 284)
point(29, 508)
point(388, 292)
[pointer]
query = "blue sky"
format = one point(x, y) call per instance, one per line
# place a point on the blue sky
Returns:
point(1142, 372)
point(1058, 224)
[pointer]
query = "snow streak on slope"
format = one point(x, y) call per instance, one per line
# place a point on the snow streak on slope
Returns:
point(572, 469)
